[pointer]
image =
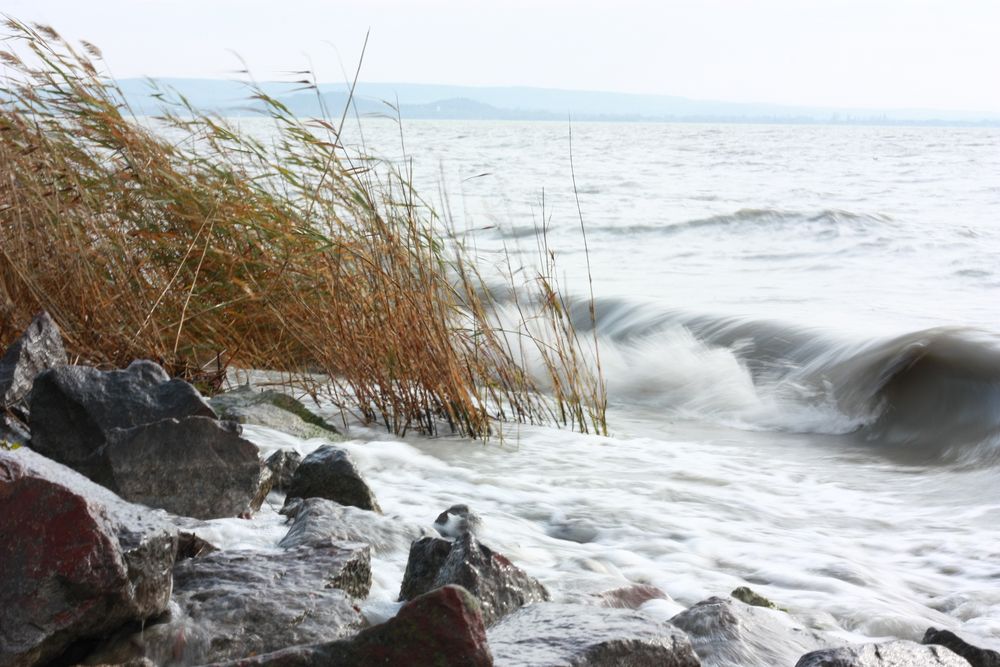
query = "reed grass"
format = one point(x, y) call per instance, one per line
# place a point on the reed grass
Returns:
point(204, 248)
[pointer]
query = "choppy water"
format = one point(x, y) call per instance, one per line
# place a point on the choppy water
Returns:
point(801, 333)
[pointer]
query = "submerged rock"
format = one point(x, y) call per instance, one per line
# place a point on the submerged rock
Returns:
point(499, 585)
point(442, 628)
point(456, 521)
point(196, 467)
point(283, 464)
point(77, 561)
point(329, 472)
point(231, 605)
point(631, 597)
point(320, 522)
point(249, 405)
point(888, 654)
point(75, 408)
point(977, 657)
point(548, 634)
point(728, 633)
point(38, 349)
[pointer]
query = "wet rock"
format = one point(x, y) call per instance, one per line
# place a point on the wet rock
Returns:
point(752, 598)
point(573, 530)
point(330, 473)
point(631, 597)
point(13, 432)
point(499, 585)
point(249, 405)
point(888, 654)
point(576, 635)
point(728, 633)
point(320, 522)
point(977, 657)
point(74, 409)
point(457, 520)
point(230, 605)
point(189, 545)
point(442, 628)
point(38, 349)
point(197, 467)
point(283, 464)
point(77, 561)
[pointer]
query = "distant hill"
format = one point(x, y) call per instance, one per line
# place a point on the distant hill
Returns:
point(522, 103)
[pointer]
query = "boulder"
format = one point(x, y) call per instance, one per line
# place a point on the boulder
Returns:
point(498, 584)
point(728, 633)
point(442, 628)
point(319, 522)
point(977, 657)
point(197, 467)
point(38, 349)
point(75, 408)
point(631, 597)
point(574, 635)
point(456, 521)
point(249, 405)
point(283, 464)
point(77, 561)
point(230, 605)
point(330, 473)
point(888, 654)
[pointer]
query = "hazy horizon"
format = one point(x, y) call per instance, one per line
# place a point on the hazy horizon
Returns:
point(883, 54)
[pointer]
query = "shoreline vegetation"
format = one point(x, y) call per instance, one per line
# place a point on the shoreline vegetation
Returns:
point(203, 248)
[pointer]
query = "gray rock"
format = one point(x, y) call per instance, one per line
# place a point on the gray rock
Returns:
point(319, 522)
point(631, 597)
point(77, 561)
point(549, 634)
point(977, 657)
point(12, 431)
point(442, 628)
point(330, 473)
point(457, 520)
point(498, 584)
point(248, 405)
point(888, 654)
point(231, 605)
point(728, 633)
point(74, 408)
point(38, 349)
point(197, 467)
point(283, 464)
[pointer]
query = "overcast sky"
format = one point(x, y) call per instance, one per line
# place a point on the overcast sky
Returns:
point(940, 54)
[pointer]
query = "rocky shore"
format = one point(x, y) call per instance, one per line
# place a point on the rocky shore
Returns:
point(106, 478)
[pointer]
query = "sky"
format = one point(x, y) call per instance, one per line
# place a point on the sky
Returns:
point(882, 54)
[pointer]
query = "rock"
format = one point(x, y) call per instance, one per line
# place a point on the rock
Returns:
point(457, 520)
point(580, 531)
point(231, 605)
point(330, 473)
point(74, 408)
point(498, 584)
point(283, 464)
point(442, 628)
point(320, 522)
point(977, 657)
point(577, 635)
point(631, 597)
point(13, 433)
point(248, 405)
point(189, 545)
point(196, 467)
point(888, 654)
point(77, 561)
point(728, 633)
point(38, 349)
point(427, 557)
point(752, 598)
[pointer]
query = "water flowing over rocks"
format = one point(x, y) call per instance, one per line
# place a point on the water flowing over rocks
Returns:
point(977, 657)
point(249, 405)
point(329, 472)
point(442, 628)
point(456, 521)
point(728, 633)
point(888, 654)
point(499, 585)
point(573, 635)
point(630, 597)
point(283, 464)
point(39, 348)
point(75, 408)
point(320, 522)
point(77, 561)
